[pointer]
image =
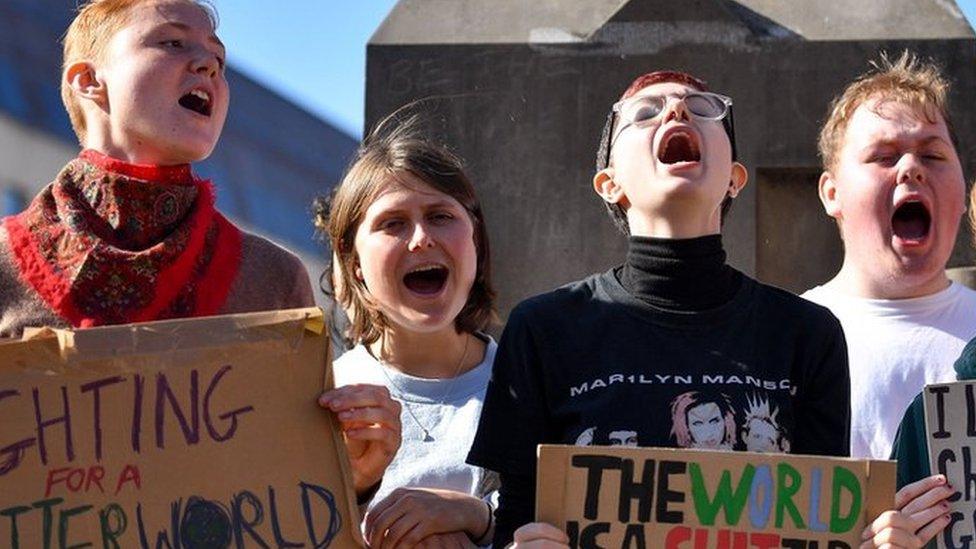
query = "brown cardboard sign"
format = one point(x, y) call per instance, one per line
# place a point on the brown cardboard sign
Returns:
point(176, 434)
point(616, 497)
point(950, 425)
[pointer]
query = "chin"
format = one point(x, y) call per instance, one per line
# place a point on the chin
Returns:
point(911, 273)
point(420, 322)
point(190, 154)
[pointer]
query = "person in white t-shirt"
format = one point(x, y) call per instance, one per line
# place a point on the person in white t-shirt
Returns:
point(893, 182)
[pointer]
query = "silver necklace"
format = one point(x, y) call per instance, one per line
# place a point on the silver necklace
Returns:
point(447, 393)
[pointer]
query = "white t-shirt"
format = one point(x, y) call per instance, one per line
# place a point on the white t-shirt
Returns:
point(448, 408)
point(895, 347)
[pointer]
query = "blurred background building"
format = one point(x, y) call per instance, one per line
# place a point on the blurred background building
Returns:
point(522, 90)
point(272, 159)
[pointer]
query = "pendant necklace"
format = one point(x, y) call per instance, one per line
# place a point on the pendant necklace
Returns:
point(448, 392)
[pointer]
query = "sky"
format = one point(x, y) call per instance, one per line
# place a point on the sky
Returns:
point(313, 52)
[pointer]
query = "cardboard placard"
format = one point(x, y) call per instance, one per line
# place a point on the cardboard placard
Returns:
point(185, 433)
point(950, 425)
point(615, 497)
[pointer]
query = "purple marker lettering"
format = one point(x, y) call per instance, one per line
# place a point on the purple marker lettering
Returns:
point(13, 454)
point(232, 415)
point(191, 430)
point(95, 387)
point(43, 424)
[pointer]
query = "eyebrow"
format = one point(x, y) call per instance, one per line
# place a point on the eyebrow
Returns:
point(431, 206)
point(923, 142)
point(184, 27)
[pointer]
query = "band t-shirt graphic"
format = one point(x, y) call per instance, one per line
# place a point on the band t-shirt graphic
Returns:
point(708, 419)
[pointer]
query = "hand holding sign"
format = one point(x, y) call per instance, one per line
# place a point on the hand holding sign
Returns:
point(409, 515)
point(540, 535)
point(370, 423)
point(170, 434)
point(922, 513)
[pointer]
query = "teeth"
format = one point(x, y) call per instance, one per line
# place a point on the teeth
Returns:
point(201, 94)
point(423, 268)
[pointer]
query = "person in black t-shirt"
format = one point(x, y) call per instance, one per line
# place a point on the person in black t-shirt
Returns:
point(674, 347)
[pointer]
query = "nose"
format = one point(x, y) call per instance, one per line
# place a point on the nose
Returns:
point(420, 238)
point(676, 109)
point(910, 170)
point(206, 62)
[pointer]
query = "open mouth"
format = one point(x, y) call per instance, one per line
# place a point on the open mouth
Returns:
point(911, 221)
point(197, 101)
point(427, 280)
point(679, 146)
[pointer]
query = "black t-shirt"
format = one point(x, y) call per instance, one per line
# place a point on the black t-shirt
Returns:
point(590, 363)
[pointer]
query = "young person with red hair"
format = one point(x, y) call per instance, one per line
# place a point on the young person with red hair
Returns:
point(621, 350)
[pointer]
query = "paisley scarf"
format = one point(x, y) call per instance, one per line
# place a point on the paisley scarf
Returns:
point(111, 243)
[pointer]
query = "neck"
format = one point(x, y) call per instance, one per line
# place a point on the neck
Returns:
point(678, 223)
point(177, 173)
point(855, 281)
point(679, 274)
point(133, 153)
point(434, 355)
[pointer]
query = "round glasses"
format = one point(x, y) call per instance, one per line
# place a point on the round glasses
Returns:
point(642, 110)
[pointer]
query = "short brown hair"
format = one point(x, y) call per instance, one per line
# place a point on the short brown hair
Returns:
point(89, 33)
point(396, 146)
point(908, 80)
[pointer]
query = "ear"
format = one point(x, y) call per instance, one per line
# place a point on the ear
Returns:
point(738, 180)
point(84, 82)
point(827, 189)
point(607, 188)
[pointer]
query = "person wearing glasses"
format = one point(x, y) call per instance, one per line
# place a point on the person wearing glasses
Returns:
point(619, 350)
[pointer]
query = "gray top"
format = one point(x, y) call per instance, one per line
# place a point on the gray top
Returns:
point(448, 408)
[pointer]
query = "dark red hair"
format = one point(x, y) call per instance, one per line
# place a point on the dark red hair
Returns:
point(658, 77)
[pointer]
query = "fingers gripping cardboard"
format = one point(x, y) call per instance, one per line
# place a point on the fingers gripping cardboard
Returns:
point(185, 433)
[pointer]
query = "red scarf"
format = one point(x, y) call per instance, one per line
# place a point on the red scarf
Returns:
point(111, 243)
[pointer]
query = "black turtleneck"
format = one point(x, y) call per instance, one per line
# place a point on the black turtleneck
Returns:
point(679, 274)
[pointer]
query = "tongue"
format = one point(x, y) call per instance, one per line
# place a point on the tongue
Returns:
point(426, 282)
point(913, 228)
point(911, 222)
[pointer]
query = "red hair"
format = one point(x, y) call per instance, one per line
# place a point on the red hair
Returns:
point(658, 77)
